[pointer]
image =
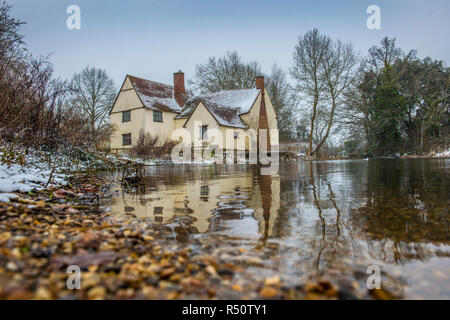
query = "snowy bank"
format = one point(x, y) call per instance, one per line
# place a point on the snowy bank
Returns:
point(443, 154)
point(16, 178)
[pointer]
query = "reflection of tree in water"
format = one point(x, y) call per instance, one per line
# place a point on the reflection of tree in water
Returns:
point(333, 243)
point(312, 219)
point(405, 210)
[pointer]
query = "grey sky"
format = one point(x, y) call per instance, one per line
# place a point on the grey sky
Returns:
point(153, 39)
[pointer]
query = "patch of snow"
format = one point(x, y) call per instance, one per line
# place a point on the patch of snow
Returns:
point(150, 102)
point(226, 116)
point(15, 178)
point(195, 161)
point(443, 154)
point(6, 197)
point(241, 99)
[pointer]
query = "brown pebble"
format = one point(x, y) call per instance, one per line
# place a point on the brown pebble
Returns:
point(268, 292)
point(237, 287)
point(167, 272)
point(97, 293)
point(271, 281)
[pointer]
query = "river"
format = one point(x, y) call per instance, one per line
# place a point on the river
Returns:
point(312, 215)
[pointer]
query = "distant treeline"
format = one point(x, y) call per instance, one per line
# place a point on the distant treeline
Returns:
point(387, 102)
point(39, 110)
point(330, 99)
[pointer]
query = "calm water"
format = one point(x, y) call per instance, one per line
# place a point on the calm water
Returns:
point(312, 215)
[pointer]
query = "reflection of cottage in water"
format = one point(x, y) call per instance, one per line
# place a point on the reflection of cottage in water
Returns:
point(206, 203)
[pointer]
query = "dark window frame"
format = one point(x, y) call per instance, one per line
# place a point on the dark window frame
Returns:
point(203, 132)
point(158, 118)
point(126, 116)
point(126, 139)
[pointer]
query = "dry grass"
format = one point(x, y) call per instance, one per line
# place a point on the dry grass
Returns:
point(149, 147)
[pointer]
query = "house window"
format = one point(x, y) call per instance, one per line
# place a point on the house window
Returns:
point(203, 134)
point(204, 193)
point(157, 116)
point(126, 116)
point(126, 139)
point(236, 134)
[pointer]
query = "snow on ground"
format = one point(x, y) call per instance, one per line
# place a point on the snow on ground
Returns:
point(443, 154)
point(16, 178)
point(5, 197)
point(125, 157)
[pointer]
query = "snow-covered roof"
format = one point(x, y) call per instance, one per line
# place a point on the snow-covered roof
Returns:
point(242, 99)
point(155, 95)
point(225, 116)
point(226, 105)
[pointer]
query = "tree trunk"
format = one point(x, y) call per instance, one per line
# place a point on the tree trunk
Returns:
point(330, 122)
point(313, 118)
point(421, 137)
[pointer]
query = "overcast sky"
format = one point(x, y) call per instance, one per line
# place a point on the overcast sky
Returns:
point(153, 39)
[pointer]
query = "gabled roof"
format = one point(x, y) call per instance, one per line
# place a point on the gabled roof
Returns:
point(225, 116)
point(155, 95)
point(228, 117)
point(225, 106)
point(240, 99)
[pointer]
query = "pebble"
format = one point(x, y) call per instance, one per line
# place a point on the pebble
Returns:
point(97, 293)
point(268, 292)
point(272, 281)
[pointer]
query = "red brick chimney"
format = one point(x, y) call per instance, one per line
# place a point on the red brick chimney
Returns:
point(179, 92)
point(260, 83)
point(263, 121)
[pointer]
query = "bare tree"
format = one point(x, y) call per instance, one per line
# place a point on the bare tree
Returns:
point(225, 73)
point(93, 95)
point(30, 98)
point(280, 94)
point(308, 70)
point(230, 72)
point(339, 68)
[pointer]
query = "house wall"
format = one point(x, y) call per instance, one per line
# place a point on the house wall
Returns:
point(272, 120)
point(179, 123)
point(126, 100)
point(141, 119)
point(251, 119)
point(221, 136)
point(134, 126)
point(162, 130)
point(201, 116)
point(229, 142)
